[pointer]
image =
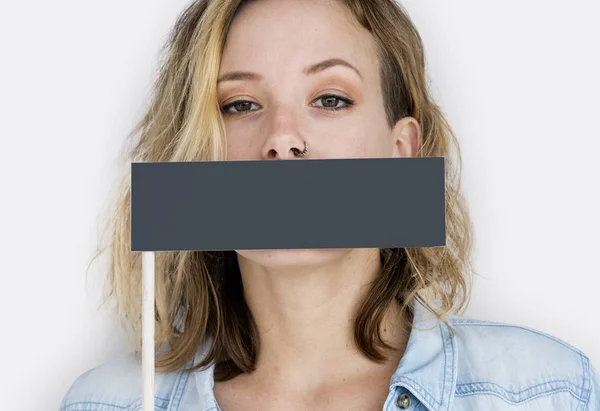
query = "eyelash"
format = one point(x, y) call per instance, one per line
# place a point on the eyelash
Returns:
point(348, 102)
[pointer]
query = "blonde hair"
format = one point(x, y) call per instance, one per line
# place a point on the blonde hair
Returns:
point(198, 294)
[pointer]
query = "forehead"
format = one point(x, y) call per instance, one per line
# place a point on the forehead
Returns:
point(281, 35)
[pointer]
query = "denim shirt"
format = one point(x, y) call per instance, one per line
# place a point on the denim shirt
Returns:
point(485, 366)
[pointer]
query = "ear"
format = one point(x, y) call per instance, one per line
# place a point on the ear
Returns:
point(407, 139)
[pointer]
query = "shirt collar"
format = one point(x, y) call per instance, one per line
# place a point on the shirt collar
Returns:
point(428, 367)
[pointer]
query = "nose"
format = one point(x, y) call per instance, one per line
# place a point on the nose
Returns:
point(284, 139)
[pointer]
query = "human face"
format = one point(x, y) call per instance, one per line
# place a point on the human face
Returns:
point(288, 95)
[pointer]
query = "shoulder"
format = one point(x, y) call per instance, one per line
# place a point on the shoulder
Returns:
point(513, 341)
point(116, 385)
point(518, 363)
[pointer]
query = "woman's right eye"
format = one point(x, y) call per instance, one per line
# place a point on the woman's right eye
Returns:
point(240, 106)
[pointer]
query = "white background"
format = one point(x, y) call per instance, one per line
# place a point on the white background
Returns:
point(518, 81)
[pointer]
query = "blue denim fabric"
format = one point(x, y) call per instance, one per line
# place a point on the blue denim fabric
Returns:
point(485, 366)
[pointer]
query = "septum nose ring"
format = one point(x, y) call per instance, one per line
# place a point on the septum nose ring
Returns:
point(299, 153)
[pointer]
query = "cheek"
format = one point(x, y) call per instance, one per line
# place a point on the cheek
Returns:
point(235, 151)
point(241, 142)
point(362, 138)
point(366, 142)
point(363, 133)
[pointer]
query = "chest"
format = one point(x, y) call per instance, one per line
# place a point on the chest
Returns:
point(364, 396)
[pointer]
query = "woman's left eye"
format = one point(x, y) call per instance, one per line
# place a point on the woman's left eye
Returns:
point(330, 102)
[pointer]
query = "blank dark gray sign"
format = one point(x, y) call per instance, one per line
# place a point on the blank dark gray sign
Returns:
point(288, 204)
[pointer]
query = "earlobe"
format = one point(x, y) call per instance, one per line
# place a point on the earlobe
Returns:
point(407, 138)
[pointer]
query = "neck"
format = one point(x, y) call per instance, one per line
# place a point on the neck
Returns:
point(305, 317)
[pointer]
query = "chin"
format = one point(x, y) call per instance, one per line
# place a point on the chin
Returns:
point(293, 258)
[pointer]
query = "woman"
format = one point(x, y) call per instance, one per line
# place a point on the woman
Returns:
point(335, 329)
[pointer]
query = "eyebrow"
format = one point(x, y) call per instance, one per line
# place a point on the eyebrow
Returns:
point(310, 70)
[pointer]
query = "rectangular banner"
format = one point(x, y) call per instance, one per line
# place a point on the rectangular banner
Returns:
point(288, 204)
